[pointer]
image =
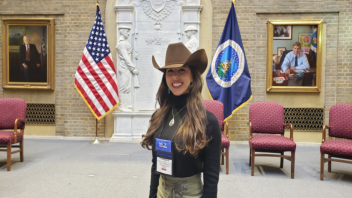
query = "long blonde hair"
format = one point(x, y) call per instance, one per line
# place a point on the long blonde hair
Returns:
point(192, 130)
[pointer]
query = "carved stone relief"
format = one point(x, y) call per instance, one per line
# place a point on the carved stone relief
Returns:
point(154, 24)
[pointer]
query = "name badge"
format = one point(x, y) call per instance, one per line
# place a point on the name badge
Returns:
point(163, 145)
point(164, 159)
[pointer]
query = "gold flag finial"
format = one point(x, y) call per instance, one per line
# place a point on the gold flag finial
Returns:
point(233, 1)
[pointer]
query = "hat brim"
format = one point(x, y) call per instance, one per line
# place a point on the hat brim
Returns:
point(198, 60)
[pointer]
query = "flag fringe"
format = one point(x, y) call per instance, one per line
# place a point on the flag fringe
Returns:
point(230, 116)
point(210, 95)
point(117, 104)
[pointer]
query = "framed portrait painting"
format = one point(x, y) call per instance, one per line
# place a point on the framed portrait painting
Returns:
point(285, 73)
point(28, 53)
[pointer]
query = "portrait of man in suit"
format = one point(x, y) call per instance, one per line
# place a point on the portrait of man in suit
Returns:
point(29, 54)
point(29, 61)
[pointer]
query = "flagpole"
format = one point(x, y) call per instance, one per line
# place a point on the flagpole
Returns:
point(96, 141)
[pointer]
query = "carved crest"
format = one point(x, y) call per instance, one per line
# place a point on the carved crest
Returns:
point(158, 5)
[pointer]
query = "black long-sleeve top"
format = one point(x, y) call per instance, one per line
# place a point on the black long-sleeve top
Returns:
point(185, 165)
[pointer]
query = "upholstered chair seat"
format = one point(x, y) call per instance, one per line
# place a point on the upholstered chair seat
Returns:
point(341, 148)
point(272, 143)
point(7, 137)
point(217, 108)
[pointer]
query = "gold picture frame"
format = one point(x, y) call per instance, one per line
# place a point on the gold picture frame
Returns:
point(276, 79)
point(28, 66)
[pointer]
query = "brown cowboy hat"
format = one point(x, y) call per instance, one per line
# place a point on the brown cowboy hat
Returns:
point(177, 55)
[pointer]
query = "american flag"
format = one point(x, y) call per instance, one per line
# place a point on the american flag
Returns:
point(95, 77)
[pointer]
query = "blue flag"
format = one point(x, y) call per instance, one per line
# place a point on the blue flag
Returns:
point(313, 41)
point(228, 78)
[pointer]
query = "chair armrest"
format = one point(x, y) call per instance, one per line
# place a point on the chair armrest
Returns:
point(291, 130)
point(18, 120)
point(15, 129)
point(324, 132)
point(250, 130)
point(226, 129)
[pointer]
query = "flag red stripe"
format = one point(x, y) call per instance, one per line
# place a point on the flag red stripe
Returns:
point(108, 76)
point(108, 59)
point(92, 88)
point(91, 104)
point(111, 64)
point(99, 81)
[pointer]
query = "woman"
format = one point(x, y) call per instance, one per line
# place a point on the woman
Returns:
point(184, 137)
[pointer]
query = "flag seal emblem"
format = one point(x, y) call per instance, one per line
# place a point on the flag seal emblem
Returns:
point(228, 63)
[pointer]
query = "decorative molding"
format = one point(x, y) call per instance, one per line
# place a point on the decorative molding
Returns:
point(191, 22)
point(122, 23)
point(197, 8)
point(124, 8)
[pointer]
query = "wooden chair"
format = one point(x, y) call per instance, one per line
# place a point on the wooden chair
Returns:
point(217, 108)
point(340, 121)
point(12, 116)
point(268, 118)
